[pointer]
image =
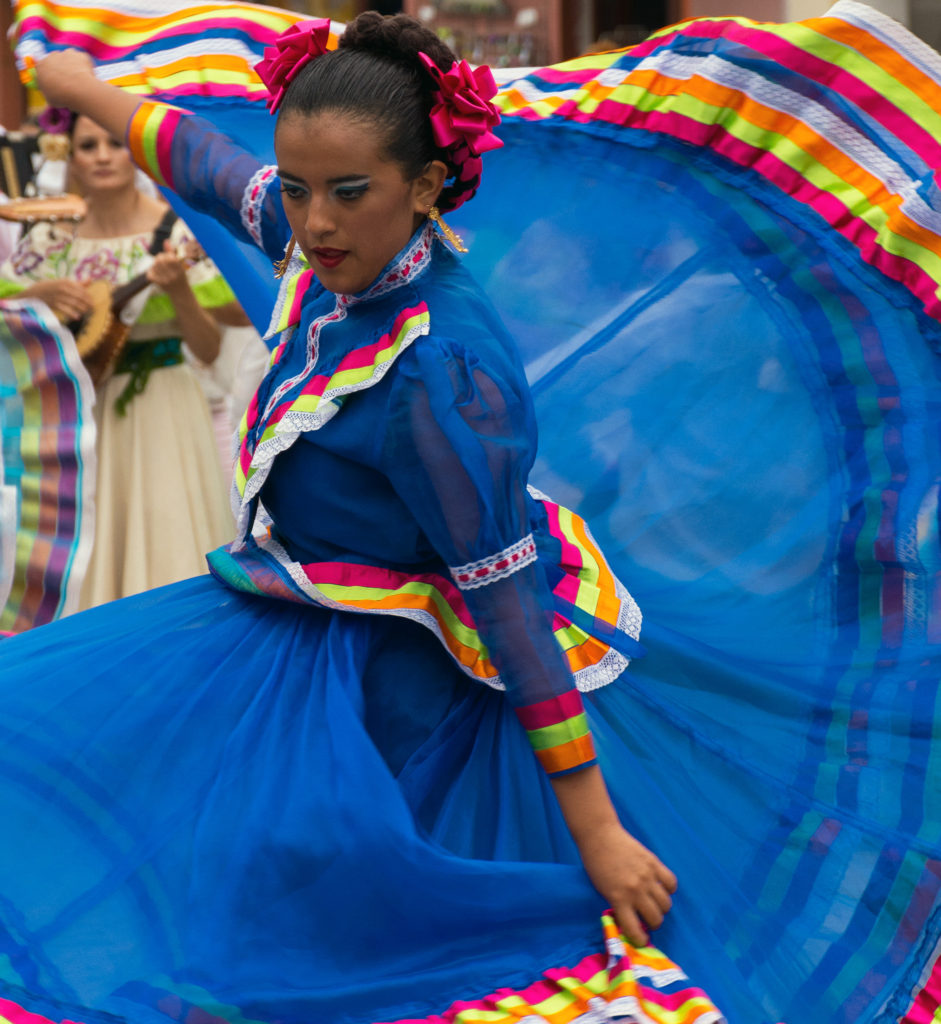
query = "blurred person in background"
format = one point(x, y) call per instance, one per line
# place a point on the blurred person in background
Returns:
point(160, 496)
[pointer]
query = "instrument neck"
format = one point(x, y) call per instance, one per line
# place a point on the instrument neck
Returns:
point(123, 294)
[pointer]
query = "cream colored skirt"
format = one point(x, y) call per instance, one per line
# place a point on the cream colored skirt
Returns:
point(161, 502)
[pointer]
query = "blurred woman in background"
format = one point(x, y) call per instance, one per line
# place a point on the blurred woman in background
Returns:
point(160, 496)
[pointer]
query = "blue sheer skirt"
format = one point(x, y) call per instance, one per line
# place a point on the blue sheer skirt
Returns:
point(269, 812)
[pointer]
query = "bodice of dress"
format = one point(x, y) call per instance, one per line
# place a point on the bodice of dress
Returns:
point(51, 251)
point(391, 444)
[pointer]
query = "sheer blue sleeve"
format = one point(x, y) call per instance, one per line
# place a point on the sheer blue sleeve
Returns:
point(187, 155)
point(458, 450)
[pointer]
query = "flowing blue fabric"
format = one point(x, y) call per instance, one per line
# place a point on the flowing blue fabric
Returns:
point(234, 836)
point(747, 416)
point(748, 419)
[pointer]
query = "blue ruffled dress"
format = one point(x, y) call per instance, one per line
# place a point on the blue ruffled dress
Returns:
point(718, 254)
point(293, 791)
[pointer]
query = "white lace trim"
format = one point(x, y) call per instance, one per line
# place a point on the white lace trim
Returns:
point(408, 266)
point(592, 677)
point(296, 266)
point(838, 131)
point(335, 316)
point(417, 257)
point(426, 619)
point(626, 1010)
point(890, 31)
point(496, 567)
point(279, 306)
point(630, 620)
point(293, 424)
point(534, 492)
point(253, 198)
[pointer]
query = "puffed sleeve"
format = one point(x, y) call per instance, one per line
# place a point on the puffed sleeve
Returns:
point(186, 154)
point(458, 448)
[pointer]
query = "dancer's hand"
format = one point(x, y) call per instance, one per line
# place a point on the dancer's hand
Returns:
point(59, 74)
point(67, 299)
point(636, 884)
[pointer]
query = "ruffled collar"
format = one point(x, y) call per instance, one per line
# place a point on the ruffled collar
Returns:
point(311, 393)
point(406, 266)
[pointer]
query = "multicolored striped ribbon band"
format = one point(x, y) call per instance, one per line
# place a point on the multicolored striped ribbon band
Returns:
point(621, 982)
point(149, 48)
point(842, 112)
point(433, 599)
point(558, 732)
point(323, 393)
point(47, 468)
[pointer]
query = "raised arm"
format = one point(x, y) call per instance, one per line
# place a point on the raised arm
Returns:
point(67, 79)
point(180, 151)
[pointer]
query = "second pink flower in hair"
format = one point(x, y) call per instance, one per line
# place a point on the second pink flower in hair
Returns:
point(463, 111)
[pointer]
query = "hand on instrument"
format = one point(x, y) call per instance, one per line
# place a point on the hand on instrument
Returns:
point(636, 884)
point(59, 74)
point(168, 271)
point(67, 299)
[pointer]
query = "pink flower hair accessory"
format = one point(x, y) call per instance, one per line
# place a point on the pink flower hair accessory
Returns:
point(292, 50)
point(462, 114)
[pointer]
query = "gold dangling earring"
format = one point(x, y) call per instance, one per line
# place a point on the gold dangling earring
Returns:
point(435, 215)
point(281, 266)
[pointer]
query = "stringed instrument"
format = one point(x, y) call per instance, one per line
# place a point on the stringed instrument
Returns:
point(100, 335)
point(97, 337)
point(36, 208)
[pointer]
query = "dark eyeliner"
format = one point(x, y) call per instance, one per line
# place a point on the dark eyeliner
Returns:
point(352, 191)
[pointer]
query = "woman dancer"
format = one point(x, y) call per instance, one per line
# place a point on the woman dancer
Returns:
point(289, 812)
point(160, 498)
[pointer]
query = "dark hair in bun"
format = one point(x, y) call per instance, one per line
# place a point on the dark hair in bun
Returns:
point(376, 76)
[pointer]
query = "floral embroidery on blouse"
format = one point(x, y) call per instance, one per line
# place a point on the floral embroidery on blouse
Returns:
point(406, 267)
point(30, 254)
point(100, 265)
point(50, 252)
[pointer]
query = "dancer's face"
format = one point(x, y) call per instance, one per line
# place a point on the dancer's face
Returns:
point(350, 207)
point(99, 162)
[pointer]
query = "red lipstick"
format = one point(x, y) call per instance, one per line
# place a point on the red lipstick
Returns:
point(330, 257)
